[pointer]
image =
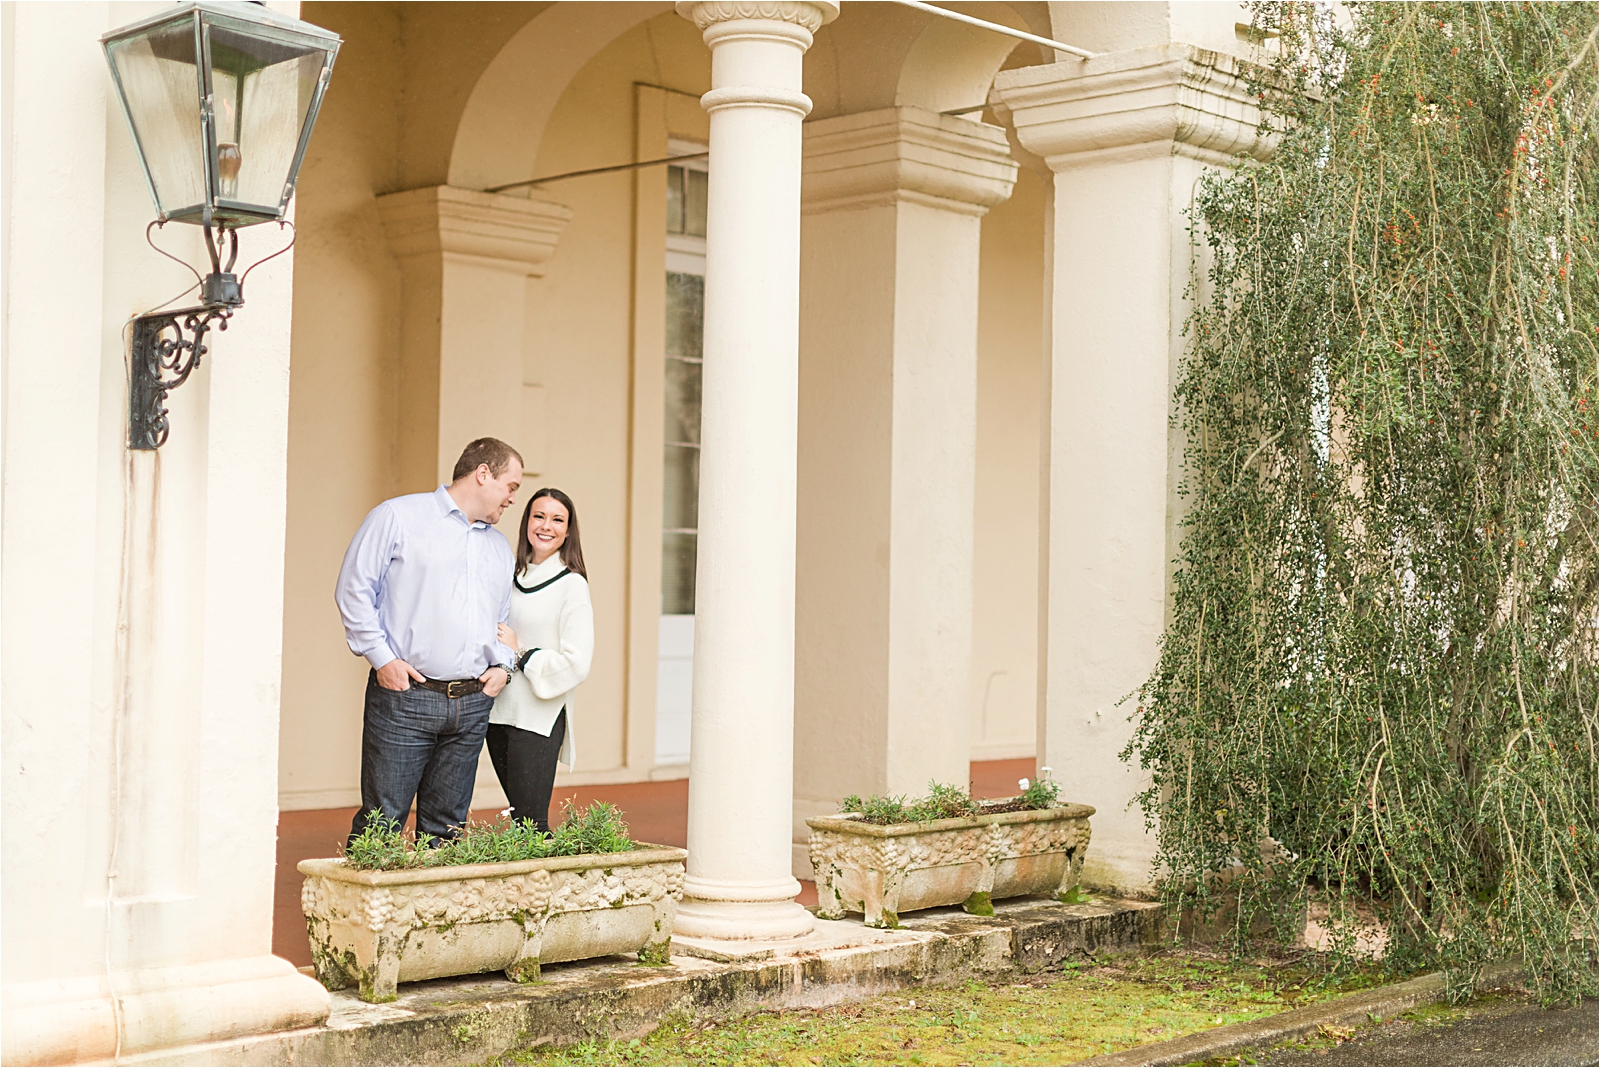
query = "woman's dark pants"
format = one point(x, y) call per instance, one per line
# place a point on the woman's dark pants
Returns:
point(526, 764)
point(420, 744)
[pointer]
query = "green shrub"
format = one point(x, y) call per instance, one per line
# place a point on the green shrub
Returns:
point(383, 846)
point(1376, 692)
point(947, 802)
point(1041, 792)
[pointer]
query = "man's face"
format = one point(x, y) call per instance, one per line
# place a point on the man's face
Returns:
point(497, 490)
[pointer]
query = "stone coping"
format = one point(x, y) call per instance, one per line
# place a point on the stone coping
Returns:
point(335, 868)
point(850, 823)
point(476, 1019)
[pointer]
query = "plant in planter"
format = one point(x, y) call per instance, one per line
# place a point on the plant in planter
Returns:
point(883, 855)
point(501, 896)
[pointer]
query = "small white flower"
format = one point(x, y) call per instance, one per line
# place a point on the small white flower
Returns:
point(1045, 770)
point(1022, 784)
point(505, 812)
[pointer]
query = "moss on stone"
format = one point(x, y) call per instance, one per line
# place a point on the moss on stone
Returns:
point(655, 954)
point(979, 904)
point(523, 970)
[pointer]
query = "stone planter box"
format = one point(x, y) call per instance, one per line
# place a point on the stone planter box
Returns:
point(882, 871)
point(374, 929)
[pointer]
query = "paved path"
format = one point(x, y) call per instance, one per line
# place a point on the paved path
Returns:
point(1509, 1031)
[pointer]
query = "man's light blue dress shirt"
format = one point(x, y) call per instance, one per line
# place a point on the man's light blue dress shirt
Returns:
point(423, 583)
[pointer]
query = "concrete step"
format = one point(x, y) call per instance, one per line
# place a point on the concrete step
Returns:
point(473, 1019)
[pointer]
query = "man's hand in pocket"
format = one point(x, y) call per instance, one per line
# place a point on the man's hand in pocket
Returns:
point(397, 675)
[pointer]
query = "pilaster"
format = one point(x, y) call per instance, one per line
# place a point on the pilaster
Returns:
point(1172, 99)
point(893, 202)
point(465, 259)
point(905, 155)
point(1128, 136)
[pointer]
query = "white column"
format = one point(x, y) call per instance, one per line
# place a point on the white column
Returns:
point(465, 261)
point(893, 204)
point(1127, 135)
point(741, 772)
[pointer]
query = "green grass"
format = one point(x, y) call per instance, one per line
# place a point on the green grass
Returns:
point(1080, 1011)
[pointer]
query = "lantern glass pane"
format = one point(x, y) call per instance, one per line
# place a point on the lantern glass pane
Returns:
point(261, 91)
point(161, 92)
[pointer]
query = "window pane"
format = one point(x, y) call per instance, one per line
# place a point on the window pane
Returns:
point(161, 89)
point(683, 402)
point(273, 103)
point(694, 203)
point(680, 490)
point(686, 304)
point(677, 574)
point(674, 200)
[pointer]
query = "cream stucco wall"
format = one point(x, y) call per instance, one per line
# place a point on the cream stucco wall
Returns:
point(342, 402)
point(1005, 564)
point(142, 598)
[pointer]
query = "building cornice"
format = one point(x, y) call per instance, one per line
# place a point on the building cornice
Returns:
point(905, 154)
point(1173, 99)
point(502, 232)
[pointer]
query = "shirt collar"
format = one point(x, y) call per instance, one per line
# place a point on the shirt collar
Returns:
point(551, 565)
point(447, 504)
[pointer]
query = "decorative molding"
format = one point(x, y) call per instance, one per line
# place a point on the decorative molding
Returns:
point(808, 15)
point(905, 154)
point(1174, 99)
point(463, 225)
point(756, 96)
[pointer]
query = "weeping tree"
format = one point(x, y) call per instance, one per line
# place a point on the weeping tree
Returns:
point(1376, 696)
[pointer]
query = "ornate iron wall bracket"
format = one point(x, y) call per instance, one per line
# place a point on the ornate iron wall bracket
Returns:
point(166, 350)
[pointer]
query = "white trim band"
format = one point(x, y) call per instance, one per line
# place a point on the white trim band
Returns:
point(760, 96)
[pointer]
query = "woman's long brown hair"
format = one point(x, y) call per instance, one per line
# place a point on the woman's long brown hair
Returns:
point(571, 550)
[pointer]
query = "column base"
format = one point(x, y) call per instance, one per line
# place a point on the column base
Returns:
point(741, 912)
point(71, 1020)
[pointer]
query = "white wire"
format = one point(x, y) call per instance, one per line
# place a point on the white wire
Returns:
point(997, 28)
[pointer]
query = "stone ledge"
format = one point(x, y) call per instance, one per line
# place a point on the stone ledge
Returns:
point(474, 1019)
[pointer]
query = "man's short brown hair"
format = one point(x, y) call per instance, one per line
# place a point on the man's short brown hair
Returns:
point(492, 451)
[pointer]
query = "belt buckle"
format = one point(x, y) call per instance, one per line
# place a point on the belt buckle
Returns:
point(451, 690)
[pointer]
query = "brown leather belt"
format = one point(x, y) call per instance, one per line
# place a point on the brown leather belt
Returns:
point(452, 688)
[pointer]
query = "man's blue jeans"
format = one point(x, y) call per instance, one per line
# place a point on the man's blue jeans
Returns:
point(420, 744)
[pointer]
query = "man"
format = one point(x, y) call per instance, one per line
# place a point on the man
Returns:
point(423, 584)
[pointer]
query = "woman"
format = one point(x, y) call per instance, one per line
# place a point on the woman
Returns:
point(551, 628)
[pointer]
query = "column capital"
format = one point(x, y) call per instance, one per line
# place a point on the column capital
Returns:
point(463, 225)
point(1173, 99)
point(905, 154)
point(714, 16)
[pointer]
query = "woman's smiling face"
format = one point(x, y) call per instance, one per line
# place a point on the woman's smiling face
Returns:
point(547, 527)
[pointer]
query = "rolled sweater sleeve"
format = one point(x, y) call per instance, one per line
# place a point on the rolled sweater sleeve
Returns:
point(360, 580)
point(553, 672)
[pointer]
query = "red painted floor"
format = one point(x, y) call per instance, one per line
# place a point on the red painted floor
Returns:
point(656, 812)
